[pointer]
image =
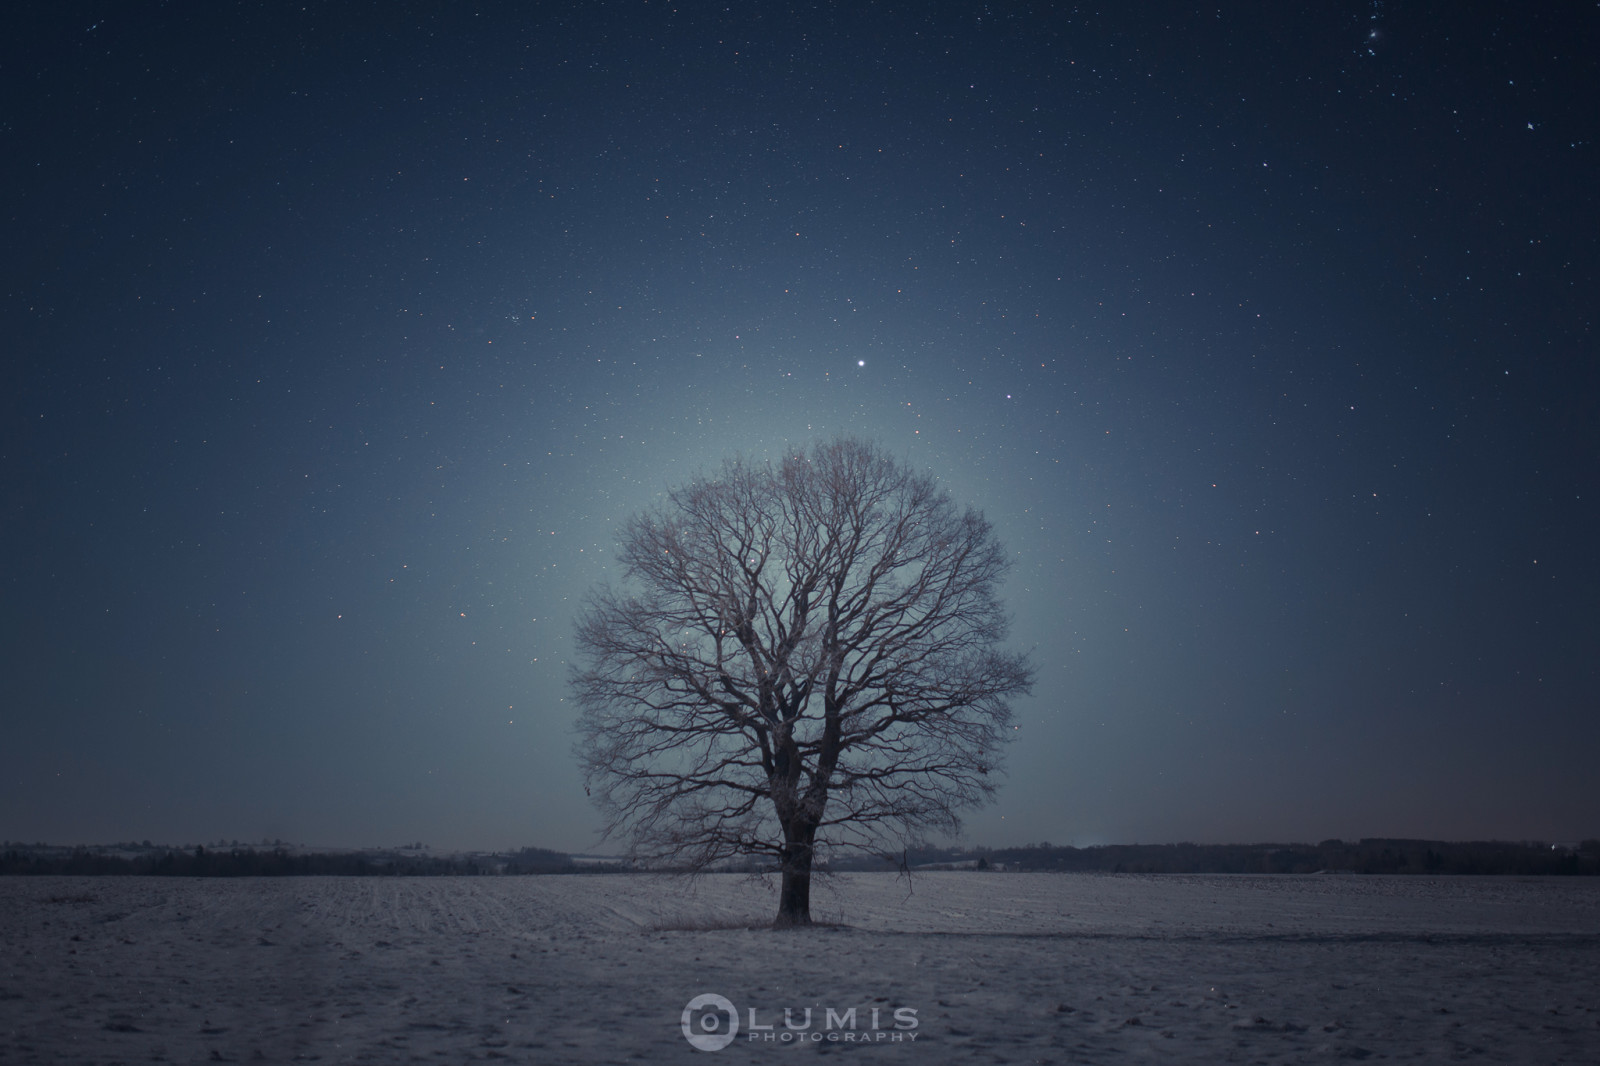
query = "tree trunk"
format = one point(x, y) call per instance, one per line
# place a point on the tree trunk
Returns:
point(794, 898)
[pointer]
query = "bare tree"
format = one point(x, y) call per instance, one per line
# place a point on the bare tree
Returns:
point(808, 656)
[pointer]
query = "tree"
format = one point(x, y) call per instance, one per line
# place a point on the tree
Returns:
point(808, 656)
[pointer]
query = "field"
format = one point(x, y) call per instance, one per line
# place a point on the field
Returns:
point(988, 967)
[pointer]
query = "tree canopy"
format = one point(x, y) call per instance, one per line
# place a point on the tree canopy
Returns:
point(806, 654)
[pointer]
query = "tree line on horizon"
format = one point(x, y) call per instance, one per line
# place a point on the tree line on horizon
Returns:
point(1371, 855)
point(246, 861)
point(1368, 856)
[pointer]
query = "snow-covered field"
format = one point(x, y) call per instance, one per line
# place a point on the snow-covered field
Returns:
point(996, 968)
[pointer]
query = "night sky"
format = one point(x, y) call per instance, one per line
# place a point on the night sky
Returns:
point(339, 342)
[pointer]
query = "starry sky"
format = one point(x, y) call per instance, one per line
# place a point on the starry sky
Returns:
point(340, 341)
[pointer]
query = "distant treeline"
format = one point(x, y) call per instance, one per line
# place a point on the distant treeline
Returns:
point(1369, 856)
point(1373, 855)
point(202, 861)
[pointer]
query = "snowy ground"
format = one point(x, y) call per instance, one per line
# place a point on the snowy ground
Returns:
point(997, 968)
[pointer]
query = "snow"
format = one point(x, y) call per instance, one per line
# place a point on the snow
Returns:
point(998, 967)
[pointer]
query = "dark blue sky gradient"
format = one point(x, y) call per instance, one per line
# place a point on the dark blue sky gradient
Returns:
point(339, 342)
